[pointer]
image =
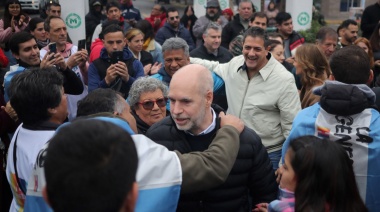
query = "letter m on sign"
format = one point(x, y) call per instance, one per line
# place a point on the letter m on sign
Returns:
point(73, 21)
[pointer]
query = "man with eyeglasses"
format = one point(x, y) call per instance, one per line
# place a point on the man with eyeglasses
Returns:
point(117, 75)
point(213, 14)
point(173, 28)
point(75, 58)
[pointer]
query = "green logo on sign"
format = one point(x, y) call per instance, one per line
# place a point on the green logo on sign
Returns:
point(201, 2)
point(303, 18)
point(223, 4)
point(73, 20)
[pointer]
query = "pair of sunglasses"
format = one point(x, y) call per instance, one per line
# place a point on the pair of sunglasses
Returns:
point(174, 17)
point(149, 105)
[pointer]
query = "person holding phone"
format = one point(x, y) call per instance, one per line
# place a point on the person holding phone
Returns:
point(116, 68)
point(75, 59)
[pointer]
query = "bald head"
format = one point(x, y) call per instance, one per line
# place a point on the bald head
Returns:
point(196, 76)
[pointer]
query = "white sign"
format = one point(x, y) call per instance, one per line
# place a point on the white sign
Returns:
point(200, 6)
point(73, 14)
point(257, 5)
point(301, 12)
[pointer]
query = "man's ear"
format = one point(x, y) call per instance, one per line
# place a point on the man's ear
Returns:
point(331, 77)
point(17, 56)
point(370, 78)
point(130, 200)
point(45, 195)
point(47, 34)
point(209, 97)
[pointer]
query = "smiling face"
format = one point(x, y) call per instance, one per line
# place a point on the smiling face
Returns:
point(14, 9)
point(29, 53)
point(154, 115)
point(254, 53)
point(175, 59)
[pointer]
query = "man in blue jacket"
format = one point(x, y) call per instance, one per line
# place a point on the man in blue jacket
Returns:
point(119, 76)
point(173, 28)
point(345, 115)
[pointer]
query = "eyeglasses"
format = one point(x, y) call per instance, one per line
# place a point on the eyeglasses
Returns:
point(148, 105)
point(174, 17)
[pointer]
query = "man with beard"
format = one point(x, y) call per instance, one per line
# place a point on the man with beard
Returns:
point(191, 128)
point(213, 14)
point(260, 91)
point(349, 30)
point(240, 23)
point(173, 28)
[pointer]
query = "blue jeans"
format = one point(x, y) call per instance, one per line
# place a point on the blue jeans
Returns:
point(275, 158)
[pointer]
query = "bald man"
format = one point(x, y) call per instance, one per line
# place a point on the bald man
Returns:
point(191, 127)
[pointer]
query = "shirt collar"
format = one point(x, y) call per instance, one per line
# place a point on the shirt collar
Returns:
point(265, 71)
point(209, 128)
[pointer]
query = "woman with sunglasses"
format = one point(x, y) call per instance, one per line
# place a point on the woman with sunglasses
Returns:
point(148, 99)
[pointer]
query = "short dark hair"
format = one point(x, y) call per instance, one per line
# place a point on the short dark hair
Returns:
point(271, 44)
point(17, 38)
point(260, 15)
point(33, 23)
point(348, 22)
point(55, 4)
point(48, 20)
point(255, 32)
point(82, 159)
point(107, 24)
point(112, 4)
point(317, 178)
point(170, 10)
point(326, 32)
point(350, 65)
point(146, 28)
point(111, 28)
point(33, 92)
point(282, 16)
point(98, 101)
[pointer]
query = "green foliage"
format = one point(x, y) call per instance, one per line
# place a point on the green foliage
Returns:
point(311, 33)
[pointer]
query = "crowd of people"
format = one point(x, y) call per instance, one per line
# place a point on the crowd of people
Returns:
point(170, 113)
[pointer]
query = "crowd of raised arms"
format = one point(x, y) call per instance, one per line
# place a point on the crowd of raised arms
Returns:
point(229, 111)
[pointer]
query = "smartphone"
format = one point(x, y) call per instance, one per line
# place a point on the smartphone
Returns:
point(116, 56)
point(81, 44)
point(53, 47)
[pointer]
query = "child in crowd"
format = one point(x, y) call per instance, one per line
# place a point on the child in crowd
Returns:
point(317, 176)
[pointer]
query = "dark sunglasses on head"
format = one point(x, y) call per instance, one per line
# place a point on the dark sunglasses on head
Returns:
point(174, 17)
point(149, 105)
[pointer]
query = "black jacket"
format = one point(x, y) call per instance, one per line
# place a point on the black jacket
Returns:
point(370, 19)
point(92, 18)
point(231, 30)
point(252, 173)
point(223, 55)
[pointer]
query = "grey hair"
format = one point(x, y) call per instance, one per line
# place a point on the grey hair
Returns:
point(245, 1)
point(142, 85)
point(214, 26)
point(207, 81)
point(119, 105)
point(174, 44)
